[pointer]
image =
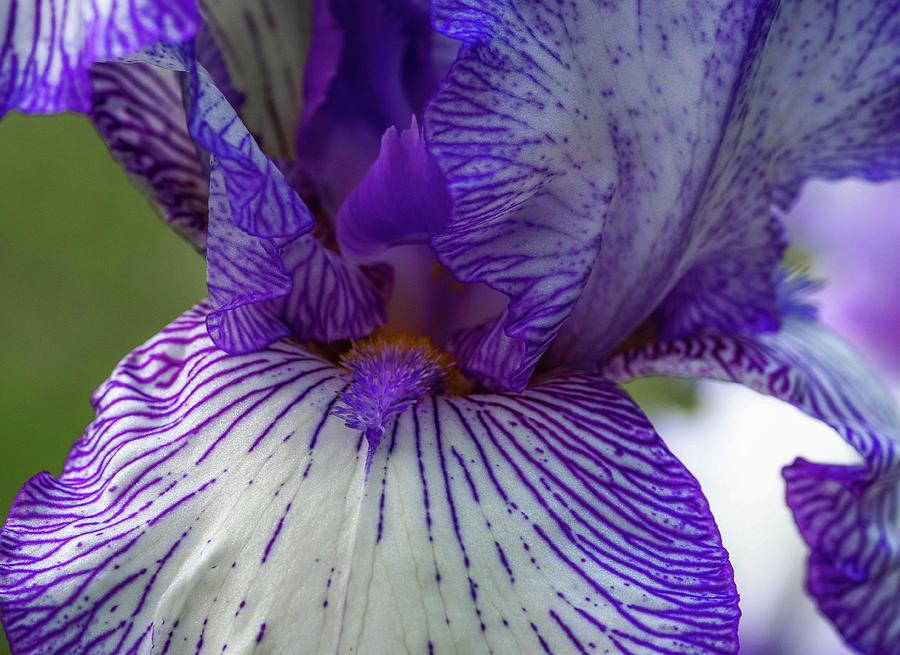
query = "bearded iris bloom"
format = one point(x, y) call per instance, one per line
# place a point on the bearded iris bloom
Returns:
point(437, 240)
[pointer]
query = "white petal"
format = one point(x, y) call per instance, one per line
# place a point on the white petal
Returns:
point(215, 504)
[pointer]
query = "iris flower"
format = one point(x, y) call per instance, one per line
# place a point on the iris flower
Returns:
point(437, 240)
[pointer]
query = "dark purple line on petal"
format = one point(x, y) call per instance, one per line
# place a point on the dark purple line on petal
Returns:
point(384, 483)
point(566, 629)
point(308, 390)
point(275, 535)
point(200, 639)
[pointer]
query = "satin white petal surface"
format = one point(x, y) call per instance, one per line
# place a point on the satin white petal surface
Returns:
point(215, 504)
point(48, 46)
point(848, 515)
point(604, 155)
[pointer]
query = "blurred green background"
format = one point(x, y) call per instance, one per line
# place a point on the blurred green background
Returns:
point(88, 272)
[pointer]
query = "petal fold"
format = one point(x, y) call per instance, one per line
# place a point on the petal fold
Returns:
point(265, 289)
point(48, 46)
point(268, 275)
point(848, 515)
point(606, 158)
point(216, 504)
point(139, 112)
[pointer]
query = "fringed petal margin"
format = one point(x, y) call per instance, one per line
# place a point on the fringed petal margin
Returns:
point(215, 504)
point(849, 515)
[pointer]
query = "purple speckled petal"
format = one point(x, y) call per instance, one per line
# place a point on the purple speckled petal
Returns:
point(48, 46)
point(265, 45)
point(217, 504)
point(600, 153)
point(847, 514)
point(138, 111)
point(402, 199)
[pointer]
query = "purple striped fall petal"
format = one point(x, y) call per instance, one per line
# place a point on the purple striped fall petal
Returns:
point(217, 503)
point(848, 515)
point(602, 157)
point(139, 112)
point(48, 46)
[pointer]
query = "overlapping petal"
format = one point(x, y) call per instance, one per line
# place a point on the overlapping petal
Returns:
point(264, 289)
point(388, 62)
point(265, 45)
point(267, 274)
point(216, 504)
point(48, 46)
point(602, 156)
point(139, 112)
point(847, 514)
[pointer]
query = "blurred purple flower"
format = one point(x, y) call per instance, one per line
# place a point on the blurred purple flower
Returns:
point(852, 229)
point(591, 186)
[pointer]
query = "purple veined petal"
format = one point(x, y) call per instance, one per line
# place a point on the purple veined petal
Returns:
point(599, 154)
point(387, 61)
point(265, 45)
point(268, 277)
point(48, 46)
point(210, 56)
point(847, 514)
point(402, 198)
point(242, 273)
point(262, 202)
point(265, 289)
point(138, 111)
point(819, 99)
point(332, 299)
point(216, 504)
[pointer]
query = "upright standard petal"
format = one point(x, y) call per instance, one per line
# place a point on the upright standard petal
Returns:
point(264, 289)
point(139, 112)
point(387, 60)
point(216, 504)
point(663, 132)
point(265, 45)
point(847, 514)
point(48, 46)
